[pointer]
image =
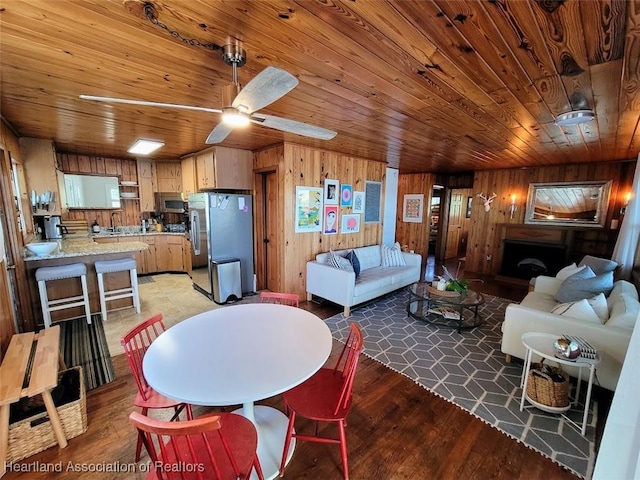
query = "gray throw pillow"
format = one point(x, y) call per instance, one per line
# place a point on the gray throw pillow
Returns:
point(598, 265)
point(584, 284)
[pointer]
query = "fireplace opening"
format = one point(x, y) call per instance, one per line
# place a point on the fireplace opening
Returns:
point(524, 260)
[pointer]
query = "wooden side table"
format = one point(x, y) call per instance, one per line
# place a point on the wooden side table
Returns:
point(541, 344)
point(40, 376)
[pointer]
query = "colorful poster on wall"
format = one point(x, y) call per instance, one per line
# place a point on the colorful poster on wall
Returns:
point(346, 195)
point(412, 208)
point(330, 220)
point(350, 223)
point(308, 209)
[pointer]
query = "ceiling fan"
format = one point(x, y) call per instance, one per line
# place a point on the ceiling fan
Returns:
point(240, 105)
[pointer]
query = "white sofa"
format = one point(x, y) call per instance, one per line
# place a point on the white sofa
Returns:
point(341, 286)
point(533, 314)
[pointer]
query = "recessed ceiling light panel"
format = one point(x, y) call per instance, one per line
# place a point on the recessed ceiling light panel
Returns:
point(144, 147)
point(575, 117)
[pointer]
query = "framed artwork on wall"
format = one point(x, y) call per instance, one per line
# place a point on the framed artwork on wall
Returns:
point(330, 220)
point(358, 202)
point(331, 191)
point(468, 213)
point(373, 201)
point(346, 195)
point(412, 208)
point(308, 209)
point(350, 223)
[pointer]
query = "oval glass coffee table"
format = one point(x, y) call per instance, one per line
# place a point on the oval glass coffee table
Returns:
point(444, 308)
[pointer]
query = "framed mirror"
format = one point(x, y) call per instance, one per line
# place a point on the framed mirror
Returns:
point(581, 204)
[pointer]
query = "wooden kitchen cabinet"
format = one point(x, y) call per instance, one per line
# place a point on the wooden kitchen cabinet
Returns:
point(233, 168)
point(169, 177)
point(225, 168)
point(169, 253)
point(145, 261)
point(40, 167)
point(205, 170)
point(189, 175)
point(145, 185)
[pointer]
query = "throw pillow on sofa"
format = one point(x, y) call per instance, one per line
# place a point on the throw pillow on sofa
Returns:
point(580, 310)
point(584, 284)
point(598, 265)
point(569, 270)
point(339, 261)
point(599, 305)
point(392, 256)
point(355, 263)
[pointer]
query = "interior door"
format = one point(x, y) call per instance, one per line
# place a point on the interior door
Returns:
point(456, 217)
point(266, 227)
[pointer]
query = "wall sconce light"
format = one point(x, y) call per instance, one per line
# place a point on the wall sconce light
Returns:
point(623, 209)
point(513, 207)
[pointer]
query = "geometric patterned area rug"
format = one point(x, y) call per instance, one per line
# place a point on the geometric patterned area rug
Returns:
point(85, 345)
point(469, 370)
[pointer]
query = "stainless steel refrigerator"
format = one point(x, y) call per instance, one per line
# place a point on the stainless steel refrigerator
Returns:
point(221, 227)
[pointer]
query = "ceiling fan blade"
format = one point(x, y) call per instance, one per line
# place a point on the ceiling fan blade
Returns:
point(293, 126)
point(219, 133)
point(265, 88)
point(149, 104)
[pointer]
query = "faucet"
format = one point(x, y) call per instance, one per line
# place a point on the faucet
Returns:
point(113, 225)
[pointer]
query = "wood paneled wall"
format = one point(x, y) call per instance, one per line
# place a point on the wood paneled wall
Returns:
point(306, 166)
point(415, 235)
point(482, 235)
point(124, 169)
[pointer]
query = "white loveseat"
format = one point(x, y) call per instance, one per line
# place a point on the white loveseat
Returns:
point(533, 314)
point(341, 286)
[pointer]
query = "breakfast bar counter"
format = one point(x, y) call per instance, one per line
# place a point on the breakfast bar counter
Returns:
point(80, 250)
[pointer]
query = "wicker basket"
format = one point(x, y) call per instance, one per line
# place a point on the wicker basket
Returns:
point(34, 434)
point(442, 293)
point(542, 389)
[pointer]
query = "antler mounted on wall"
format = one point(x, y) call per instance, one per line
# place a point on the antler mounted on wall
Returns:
point(487, 201)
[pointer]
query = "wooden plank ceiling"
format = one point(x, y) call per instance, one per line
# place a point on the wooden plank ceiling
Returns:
point(426, 85)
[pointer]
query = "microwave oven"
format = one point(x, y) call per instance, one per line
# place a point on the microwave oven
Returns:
point(169, 203)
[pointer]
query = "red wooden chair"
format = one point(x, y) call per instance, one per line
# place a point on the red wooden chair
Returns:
point(326, 397)
point(221, 447)
point(291, 299)
point(135, 344)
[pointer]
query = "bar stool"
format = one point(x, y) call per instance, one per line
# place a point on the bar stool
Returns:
point(47, 274)
point(112, 266)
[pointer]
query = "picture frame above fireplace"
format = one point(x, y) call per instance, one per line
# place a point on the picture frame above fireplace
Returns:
point(580, 204)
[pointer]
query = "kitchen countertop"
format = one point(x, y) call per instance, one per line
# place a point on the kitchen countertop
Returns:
point(133, 234)
point(84, 245)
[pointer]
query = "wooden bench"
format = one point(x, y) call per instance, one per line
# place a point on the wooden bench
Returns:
point(21, 378)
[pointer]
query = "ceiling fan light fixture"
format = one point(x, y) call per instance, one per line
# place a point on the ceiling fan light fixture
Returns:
point(234, 118)
point(144, 147)
point(575, 117)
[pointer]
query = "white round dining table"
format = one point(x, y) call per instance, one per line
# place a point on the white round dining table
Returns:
point(237, 355)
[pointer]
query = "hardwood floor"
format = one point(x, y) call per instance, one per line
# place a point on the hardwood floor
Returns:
point(397, 430)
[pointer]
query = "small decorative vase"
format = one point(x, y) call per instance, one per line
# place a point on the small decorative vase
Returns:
point(566, 349)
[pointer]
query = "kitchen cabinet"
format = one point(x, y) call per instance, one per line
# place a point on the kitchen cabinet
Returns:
point(40, 167)
point(225, 168)
point(144, 265)
point(169, 253)
point(166, 253)
point(145, 185)
point(233, 168)
point(189, 175)
point(205, 173)
point(169, 177)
